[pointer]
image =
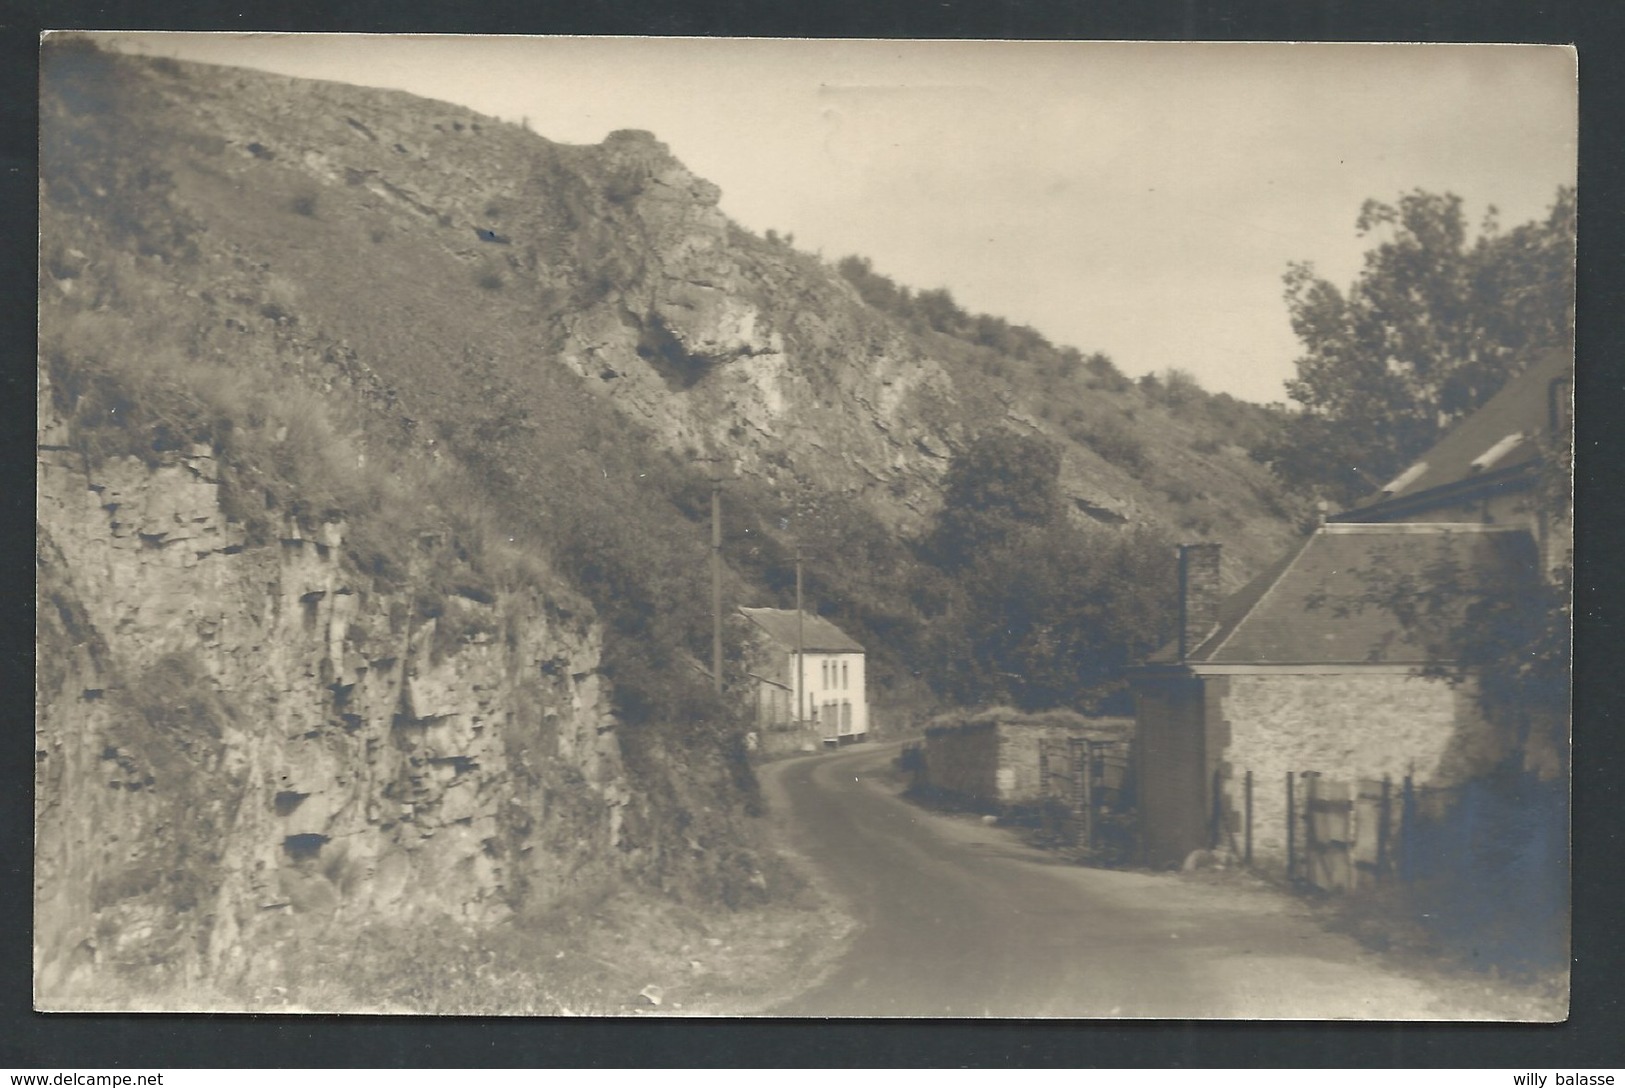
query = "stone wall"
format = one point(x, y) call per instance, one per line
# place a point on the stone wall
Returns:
point(786, 740)
point(1348, 727)
point(993, 759)
point(1019, 777)
point(963, 761)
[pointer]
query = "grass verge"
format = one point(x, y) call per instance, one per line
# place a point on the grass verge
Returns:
point(624, 953)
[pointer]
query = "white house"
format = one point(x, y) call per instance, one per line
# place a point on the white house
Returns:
point(815, 695)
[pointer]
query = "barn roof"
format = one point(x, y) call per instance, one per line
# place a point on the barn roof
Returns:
point(1316, 606)
point(818, 635)
point(1500, 440)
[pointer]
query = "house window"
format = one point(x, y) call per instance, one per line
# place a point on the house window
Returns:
point(846, 716)
point(843, 676)
point(823, 667)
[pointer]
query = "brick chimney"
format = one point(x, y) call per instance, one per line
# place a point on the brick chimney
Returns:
point(1198, 595)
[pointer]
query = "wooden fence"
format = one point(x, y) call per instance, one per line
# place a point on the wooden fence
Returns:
point(1340, 834)
point(1348, 831)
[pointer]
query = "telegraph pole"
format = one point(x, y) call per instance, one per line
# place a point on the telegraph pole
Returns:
point(716, 476)
point(801, 654)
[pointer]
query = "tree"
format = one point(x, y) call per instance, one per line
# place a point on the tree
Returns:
point(1021, 605)
point(1430, 330)
point(1051, 616)
point(1001, 482)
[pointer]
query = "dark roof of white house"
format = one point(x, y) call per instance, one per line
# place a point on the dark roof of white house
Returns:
point(1321, 604)
point(818, 635)
point(1499, 441)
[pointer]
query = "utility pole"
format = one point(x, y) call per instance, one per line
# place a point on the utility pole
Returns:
point(801, 654)
point(716, 474)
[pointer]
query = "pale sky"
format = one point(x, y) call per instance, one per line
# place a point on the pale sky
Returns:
point(1140, 199)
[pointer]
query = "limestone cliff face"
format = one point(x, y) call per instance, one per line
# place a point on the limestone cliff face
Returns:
point(723, 343)
point(234, 741)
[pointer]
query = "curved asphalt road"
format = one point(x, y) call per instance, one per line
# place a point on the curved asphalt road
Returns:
point(957, 918)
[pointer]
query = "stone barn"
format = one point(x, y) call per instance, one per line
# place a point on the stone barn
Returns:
point(1285, 677)
point(1004, 760)
point(1303, 673)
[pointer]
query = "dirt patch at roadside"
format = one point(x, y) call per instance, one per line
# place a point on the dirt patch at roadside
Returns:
point(637, 957)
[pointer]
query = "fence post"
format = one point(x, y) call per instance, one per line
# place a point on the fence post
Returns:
point(1384, 825)
point(1247, 840)
point(1217, 818)
point(1407, 816)
point(1311, 780)
point(1084, 763)
point(1291, 832)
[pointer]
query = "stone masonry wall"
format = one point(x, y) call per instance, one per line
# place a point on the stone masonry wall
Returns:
point(1019, 746)
point(964, 761)
point(1018, 781)
point(1347, 727)
point(997, 763)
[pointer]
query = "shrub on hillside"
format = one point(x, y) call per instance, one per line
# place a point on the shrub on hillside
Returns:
point(1180, 388)
point(1105, 375)
point(1180, 490)
point(1112, 439)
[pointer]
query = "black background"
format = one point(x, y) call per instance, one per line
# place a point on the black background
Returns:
point(1595, 1034)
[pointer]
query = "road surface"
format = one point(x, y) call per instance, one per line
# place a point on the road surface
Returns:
point(958, 918)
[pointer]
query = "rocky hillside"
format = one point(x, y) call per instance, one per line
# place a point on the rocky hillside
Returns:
point(614, 263)
point(243, 738)
point(373, 500)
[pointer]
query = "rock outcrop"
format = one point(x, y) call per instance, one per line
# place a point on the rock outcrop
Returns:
point(235, 740)
point(725, 343)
